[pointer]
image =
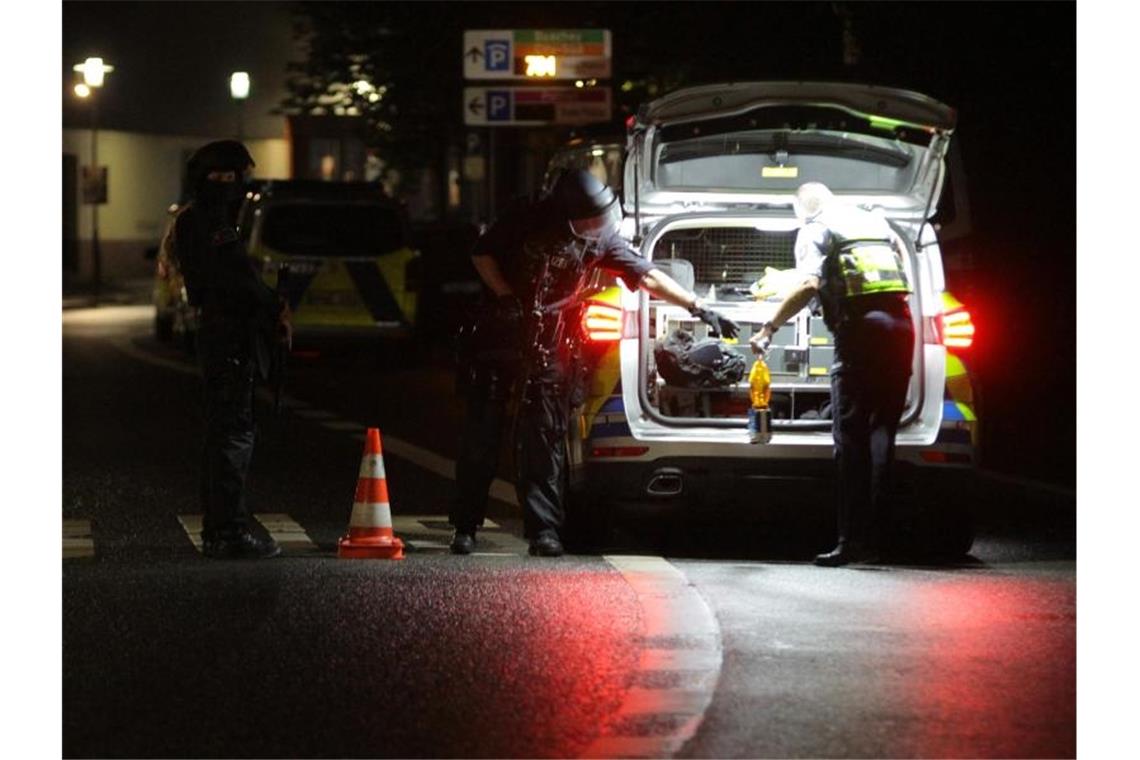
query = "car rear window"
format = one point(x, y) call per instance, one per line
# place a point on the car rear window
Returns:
point(332, 229)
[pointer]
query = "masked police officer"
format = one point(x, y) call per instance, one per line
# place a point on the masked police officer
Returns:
point(534, 261)
point(238, 318)
point(853, 261)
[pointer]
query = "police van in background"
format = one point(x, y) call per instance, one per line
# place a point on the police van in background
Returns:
point(708, 177)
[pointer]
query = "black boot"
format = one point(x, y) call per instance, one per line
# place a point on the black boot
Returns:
point(463, 542)
point(546, 545)
point(844, 554)
point(243, 545)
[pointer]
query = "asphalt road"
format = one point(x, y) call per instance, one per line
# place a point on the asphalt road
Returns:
point(725, 643)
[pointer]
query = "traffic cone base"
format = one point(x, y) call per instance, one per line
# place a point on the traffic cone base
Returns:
point(379, 547)
point(370, 533)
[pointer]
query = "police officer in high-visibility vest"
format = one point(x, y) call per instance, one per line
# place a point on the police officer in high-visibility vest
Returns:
point(853, 261)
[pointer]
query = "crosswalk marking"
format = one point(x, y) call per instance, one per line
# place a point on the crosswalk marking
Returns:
point(286, 532)
point(433, 533)
point(281, 527)
point(679, 659)
point(77, 540)
point(640, 701)
point(633, 746)
point(192, 524)
point(421, 544)
point(672, 612)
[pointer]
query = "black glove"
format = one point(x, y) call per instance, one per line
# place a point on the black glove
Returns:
point(718, 324)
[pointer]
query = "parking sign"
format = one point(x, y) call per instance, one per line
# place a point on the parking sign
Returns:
point(498, 54)
point(498, 105)
point(517, 53)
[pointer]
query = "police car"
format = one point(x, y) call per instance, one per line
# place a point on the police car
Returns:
point(174, 319)
point(709, 175)
point(351, 269)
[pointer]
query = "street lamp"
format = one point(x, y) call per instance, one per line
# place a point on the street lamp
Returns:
point(94, 72)
point(239, 91)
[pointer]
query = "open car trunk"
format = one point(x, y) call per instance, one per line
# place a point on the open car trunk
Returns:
point(742, 265)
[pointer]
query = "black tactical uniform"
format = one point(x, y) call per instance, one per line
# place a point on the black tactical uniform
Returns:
point(531, 340)
point(238, 316)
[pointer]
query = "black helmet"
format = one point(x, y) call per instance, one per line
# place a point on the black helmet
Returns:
point(685, 362)
point(588, 204)
point(220, 155)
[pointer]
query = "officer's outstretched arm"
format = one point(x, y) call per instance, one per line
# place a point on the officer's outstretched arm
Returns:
point(790, 307)
point(492, 275)
point(796, 300)
point(666, 288)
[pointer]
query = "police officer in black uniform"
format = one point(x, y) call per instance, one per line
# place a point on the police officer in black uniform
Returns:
point(853, 261)
point(239, 319)
point(534, 261)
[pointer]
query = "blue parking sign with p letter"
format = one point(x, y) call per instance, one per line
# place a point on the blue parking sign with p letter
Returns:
point(498, 105)
point(498, 55)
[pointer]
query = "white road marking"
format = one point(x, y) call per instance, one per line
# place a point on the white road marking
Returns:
point(287, 532)
point(672, 610)
point(192, 524)
point(633, 746)
point(438, 535)
point(679, 659)
point(77, 540)
point(422, 544)
point(281, 527)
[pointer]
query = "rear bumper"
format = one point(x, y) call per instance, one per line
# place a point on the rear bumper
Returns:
point(688, 482)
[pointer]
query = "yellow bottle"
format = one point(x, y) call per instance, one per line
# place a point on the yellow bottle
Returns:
point(760, 384)
point(760, 391)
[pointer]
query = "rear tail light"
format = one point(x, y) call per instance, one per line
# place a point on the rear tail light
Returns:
point(603, 322)
point(953, 328)
point(957, 329)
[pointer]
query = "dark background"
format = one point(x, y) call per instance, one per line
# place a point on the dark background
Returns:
point(1009, 69)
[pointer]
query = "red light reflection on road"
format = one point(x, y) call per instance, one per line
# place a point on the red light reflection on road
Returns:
point(1000, 675)
point(570, 650)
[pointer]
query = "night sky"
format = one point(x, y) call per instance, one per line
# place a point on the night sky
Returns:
point(1009, 69)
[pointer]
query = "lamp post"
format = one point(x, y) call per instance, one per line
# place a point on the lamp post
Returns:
point(94, 73)
point(239, 91)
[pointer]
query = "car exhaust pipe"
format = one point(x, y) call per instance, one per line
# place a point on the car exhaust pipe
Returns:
point(667, 482)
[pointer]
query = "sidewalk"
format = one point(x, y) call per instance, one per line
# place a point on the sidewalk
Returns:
point(135, 291)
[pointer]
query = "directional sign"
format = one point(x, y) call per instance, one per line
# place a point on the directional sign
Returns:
point(513, 106)
point(537, 54)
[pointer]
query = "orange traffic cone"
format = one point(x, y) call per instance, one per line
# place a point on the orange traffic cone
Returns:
point(370, 533)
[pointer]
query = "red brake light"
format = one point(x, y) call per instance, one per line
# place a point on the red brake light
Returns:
point(956, 329)
point(602, 322)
